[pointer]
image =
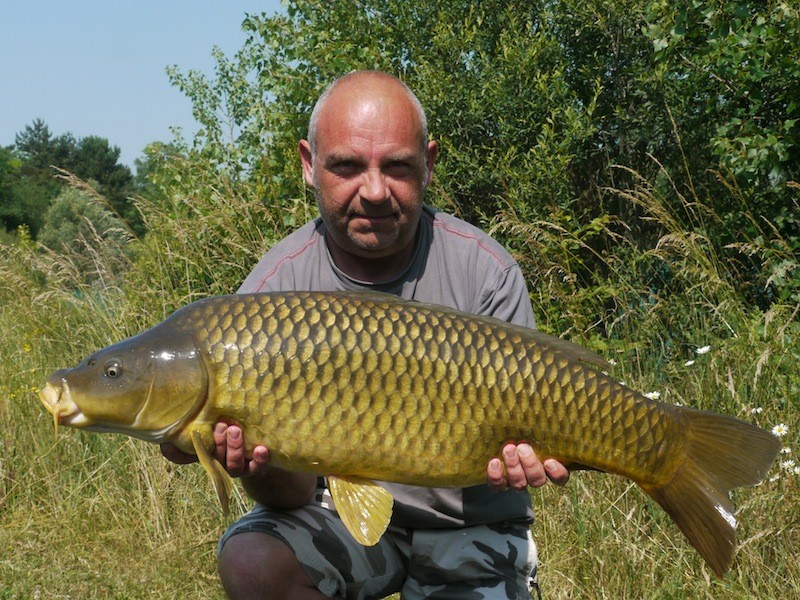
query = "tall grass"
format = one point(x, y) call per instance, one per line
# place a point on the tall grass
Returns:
point(651, 309)
point(84, 514)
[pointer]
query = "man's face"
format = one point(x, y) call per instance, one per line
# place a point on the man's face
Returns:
point(369, 171)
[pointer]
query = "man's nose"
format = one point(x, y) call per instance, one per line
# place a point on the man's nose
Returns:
point(373, 186)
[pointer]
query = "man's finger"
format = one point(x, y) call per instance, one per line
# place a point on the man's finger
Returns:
point(259, 462)
point(515, 470)
point(496, 475)
point(235, 461)
point(533, 471)
point(556, 472)
point(220, 442)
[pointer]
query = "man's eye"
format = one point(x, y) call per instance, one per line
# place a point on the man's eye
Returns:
point(399, 169)
point(345, 167)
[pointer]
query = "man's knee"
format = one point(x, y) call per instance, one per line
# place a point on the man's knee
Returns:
point(258, 565)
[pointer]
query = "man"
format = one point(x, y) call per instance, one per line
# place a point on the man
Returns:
point(369, 161)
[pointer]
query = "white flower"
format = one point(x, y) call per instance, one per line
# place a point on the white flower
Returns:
point(688, 363)
point(787, 465)
point(703, 350)
point(612, 362)
point(756, 411)
point(780, 429)
point(796, 470)
point(653, 395)
point(786, 450)
point(774, 478)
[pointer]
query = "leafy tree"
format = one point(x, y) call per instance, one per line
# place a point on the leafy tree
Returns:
point(23, 199)
point(7, 168)
point(740, 63)
point(34, 182)
point(95, 159)
point(29, 202)
point(36, 186)
point(78, 224)
point(492, 84)
point(41, 150)
point(737, 65)
point(534, 103)
point(146, 168)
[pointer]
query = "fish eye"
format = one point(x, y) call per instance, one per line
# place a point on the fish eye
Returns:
point(112, 369)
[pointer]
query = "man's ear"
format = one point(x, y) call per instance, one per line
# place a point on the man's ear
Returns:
point(431, 152)
point(307, 161)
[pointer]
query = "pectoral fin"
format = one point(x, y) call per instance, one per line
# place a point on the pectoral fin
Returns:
point(219, 477)
point(364, 507)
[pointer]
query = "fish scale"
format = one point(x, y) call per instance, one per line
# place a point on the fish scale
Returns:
point(364, 386)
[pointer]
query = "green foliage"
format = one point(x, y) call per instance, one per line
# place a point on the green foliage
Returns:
point(79, 225)
point(256, 107)
point(27, 189)
point(7, 166)
point(94, 159)
point(24, 195)
point(514, 127)
point(41, 149)
point(739, 63)
point(205, 231)
point(533, 103)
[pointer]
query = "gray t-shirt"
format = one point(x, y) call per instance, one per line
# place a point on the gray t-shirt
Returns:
point(454, 264)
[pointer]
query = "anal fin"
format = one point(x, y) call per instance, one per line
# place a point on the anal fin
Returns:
point(364, 507)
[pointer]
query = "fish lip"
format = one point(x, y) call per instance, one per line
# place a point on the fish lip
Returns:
point(57, 401)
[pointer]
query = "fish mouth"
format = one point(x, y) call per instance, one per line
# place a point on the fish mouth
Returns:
point(58, 402)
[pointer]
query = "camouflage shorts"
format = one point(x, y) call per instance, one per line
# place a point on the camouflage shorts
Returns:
point(479, 562)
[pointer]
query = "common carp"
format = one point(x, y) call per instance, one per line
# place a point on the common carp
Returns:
point(365, 387)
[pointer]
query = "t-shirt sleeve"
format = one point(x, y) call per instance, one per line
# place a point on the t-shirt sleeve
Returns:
point(507, 298)
point(292, 264)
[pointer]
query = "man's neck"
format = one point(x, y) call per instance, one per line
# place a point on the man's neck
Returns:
point(371, 270)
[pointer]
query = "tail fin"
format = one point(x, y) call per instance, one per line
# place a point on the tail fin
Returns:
point(723, 453)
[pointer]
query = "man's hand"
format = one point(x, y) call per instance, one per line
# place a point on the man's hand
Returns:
point(264, 483)
point(229, 451)
point(523, 468)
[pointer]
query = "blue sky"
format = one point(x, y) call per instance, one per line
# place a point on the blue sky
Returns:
point(97, 67)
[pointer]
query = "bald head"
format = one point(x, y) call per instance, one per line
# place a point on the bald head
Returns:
point(362, 87)
point(369, 161)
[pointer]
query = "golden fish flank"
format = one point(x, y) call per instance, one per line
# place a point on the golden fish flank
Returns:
point(362, 387)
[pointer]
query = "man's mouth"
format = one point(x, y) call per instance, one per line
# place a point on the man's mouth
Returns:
point(374, 220)
point(389, 215)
